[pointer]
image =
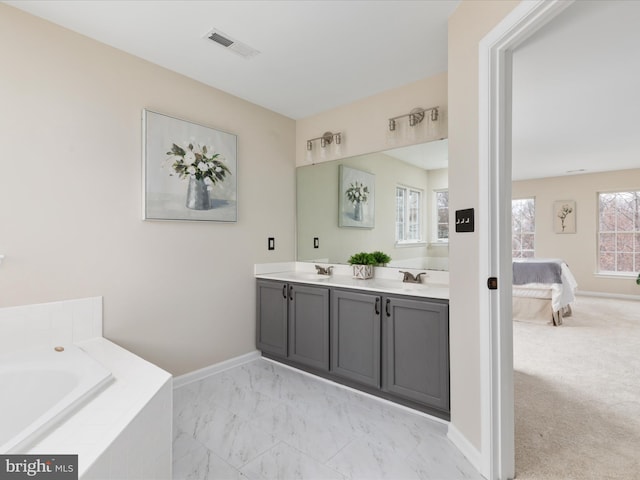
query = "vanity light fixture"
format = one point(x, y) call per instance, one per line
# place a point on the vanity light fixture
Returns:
point(326, 139)
point(415, 117)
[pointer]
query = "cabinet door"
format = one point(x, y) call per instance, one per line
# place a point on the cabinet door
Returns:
point(309, 326)
point(416, 351)
point(271, 331)
point(355, 336)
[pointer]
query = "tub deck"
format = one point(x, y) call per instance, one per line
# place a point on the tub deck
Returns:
point(92, 431)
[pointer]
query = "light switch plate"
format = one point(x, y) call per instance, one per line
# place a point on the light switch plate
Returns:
point(464, 220)
point(271, 243)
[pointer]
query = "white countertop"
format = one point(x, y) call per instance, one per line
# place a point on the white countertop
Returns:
point(342, 279)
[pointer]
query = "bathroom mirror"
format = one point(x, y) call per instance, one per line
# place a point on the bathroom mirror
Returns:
point(406, 202)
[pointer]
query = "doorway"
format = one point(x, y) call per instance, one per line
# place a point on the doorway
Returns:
point(495, 238)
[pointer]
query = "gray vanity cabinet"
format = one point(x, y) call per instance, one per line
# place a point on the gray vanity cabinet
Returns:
point(355, 336)
point(416, 350)
point(271, 328)
point(392, 346)
point(293, 322)
point(309, 326)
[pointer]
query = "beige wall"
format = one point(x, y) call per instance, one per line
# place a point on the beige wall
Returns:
point(365, 122)
point(471, 21)
point(579, 250)
point(179, 294)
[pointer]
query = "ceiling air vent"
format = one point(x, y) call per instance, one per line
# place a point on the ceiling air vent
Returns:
point(230, 44)
point(224, 41)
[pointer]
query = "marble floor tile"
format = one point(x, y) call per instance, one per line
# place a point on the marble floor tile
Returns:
point(263, 420)
point(245, 403)
point(355, 420)
point(318, 439)
point(366, 460)
point(285, 462)
point(440, 460)
point(230, 437)
point(193, 461)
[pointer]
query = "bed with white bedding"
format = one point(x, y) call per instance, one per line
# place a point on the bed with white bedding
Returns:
point(543, 289)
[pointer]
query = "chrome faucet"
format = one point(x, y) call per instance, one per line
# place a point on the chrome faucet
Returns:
point(410, 278)
point(324, 270)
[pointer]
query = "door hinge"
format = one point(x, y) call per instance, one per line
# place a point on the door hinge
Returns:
point(492, 283)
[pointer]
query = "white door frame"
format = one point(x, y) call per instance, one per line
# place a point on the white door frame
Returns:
point(494, 217)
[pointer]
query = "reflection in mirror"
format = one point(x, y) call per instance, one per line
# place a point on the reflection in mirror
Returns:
point(407, 199)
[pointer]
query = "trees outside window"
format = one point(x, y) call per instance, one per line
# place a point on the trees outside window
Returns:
point(619, 232)
point(442, 215)
point(408, 215)
point(523, 227)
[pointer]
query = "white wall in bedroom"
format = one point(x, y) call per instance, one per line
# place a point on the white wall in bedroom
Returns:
point(579, 250)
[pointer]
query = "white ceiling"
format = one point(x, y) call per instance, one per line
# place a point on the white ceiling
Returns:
point(428, 156)
point(315, 55)
point(576, 93)
point(576, 102)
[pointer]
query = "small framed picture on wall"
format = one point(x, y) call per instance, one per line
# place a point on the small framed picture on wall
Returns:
point(564, 216)
point(357, 198)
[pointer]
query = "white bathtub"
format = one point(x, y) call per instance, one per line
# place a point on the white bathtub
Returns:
point(42, 387)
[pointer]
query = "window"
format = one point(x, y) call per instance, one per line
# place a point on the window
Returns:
point(619, 232)
point(408, 215)
point(442, 215)
point(523, 227)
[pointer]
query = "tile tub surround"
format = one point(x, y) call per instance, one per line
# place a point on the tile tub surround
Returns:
point(43, 325)
point(132, 414)
point(386, 280)
point(265, 420)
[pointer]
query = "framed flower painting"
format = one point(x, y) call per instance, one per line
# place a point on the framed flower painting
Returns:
point(357, 198)
point(190, 170)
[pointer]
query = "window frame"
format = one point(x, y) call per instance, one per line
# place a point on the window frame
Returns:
point(513, 233)
point(635, 234)
point(406, 207)
point(436, 217)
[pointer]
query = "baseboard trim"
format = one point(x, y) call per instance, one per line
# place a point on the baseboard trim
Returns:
point(618, 296)
point(205, 372)
point(466, 448)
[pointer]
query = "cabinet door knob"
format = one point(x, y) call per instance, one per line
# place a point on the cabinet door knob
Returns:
point(291, 293)
point(377, 305)
point(284, 291)
point(388, 307)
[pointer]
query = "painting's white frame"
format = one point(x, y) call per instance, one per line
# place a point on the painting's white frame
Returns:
point(157, 138)
point(349, 174)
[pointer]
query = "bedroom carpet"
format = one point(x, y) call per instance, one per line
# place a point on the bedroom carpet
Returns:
point(577, 394)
